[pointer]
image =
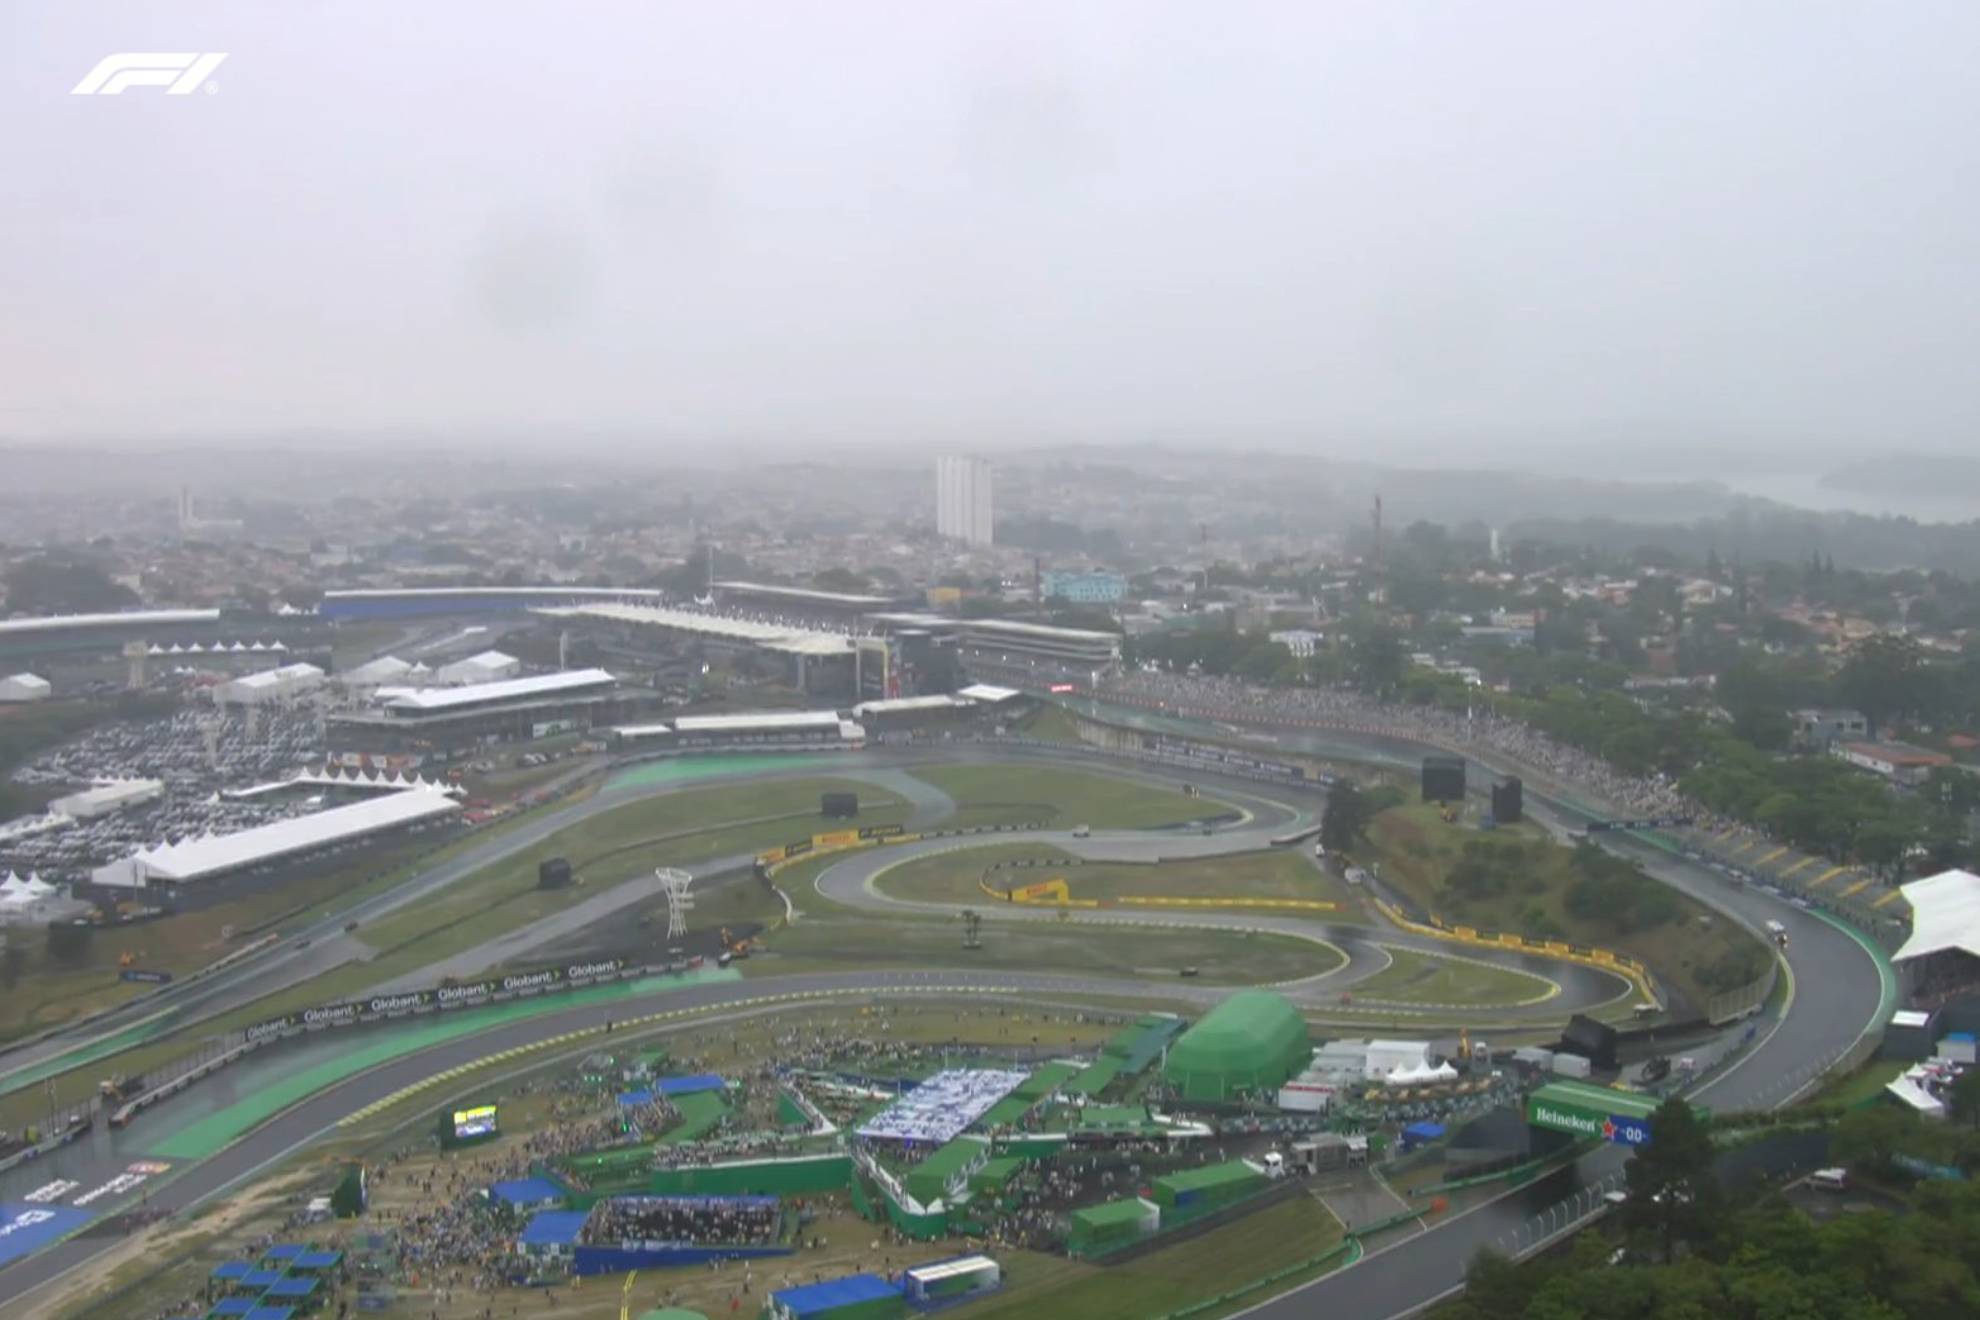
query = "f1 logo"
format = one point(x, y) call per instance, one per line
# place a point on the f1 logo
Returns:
point(179, 75)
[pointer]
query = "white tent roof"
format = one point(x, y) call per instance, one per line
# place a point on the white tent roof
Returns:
point(1945, 914)
point(192, 858)
point(539, 686)
point(759, 722)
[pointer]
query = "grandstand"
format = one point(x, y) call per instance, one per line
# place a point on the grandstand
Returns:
point(784, 729)
point(194, 860)
point(448, 721)
point(1010, 645)
point(818, 659)
point(843, 605)
point(937, 1110)
point(410, 602)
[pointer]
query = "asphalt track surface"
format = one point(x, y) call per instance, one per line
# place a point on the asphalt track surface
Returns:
point(1837, 995)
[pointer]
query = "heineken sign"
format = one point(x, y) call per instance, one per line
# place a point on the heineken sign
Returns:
point(1619, 1129)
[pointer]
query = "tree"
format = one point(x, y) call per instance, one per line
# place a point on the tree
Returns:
point(1672, 1192)
point(1346, 818)
point(1965, 1104)
point(1376, 658)
point(1882, 677)
point(842, 580)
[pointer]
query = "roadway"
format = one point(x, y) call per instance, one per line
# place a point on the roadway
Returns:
point(1836, 995)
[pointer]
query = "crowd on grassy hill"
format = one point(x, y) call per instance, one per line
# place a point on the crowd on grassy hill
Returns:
point(1478, 730)
point(690, 1219)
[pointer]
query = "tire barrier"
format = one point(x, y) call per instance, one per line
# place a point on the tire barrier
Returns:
point(1606, 960)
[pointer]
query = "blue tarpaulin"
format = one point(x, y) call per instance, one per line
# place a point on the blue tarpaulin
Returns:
point(525, 1192)
point(553, 1228)
point(633, 1099)
point(26, 1227)
point(689, 1085)
point(817, 1298)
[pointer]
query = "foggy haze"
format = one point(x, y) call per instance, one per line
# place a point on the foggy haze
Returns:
point(1652, 236)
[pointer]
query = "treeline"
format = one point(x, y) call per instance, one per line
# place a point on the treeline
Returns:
point(1852, 540)
point(1688, 1247)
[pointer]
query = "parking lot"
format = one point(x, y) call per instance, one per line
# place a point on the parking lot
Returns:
point(196, 753)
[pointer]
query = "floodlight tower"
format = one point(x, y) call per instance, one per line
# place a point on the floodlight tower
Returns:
point(679, 901)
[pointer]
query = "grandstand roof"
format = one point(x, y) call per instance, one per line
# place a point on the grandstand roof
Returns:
point(195, 858)
point(847, 600)
point(572, 593)
point(382, 670)
point(653, 730)
point(131, 618)
point(1041, 631)
point(526, 1191)
point(902, 705)
point(753, 632)
point(569, 680)
point(761, 721)
point(987, 693)
point(553, 1228)
point(821, 1298)
point(1945, 914)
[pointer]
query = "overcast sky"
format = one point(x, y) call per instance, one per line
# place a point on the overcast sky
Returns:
point(1368, 228)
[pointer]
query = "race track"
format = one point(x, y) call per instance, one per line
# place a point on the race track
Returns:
point(1837, 994)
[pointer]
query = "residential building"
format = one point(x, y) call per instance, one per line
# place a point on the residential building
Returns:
point(1817, 728)
point(962, 500)
point(1899, 762)
point(1096, 588)
point(1302, 642)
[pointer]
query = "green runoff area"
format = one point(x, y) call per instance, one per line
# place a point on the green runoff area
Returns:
point(1234, 957)
point(1281, 873)
point(1517, 879)
point(1415, 977)
point(202, 1136)
point(615, 846)
point(1197, 1269)
point(1061, 798)
point(620, 844)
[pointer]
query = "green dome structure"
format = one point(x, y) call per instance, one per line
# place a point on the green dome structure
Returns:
point(1252, 1041)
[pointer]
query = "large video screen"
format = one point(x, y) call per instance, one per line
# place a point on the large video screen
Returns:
point(476, 1122)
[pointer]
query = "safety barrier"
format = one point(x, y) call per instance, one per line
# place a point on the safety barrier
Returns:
point(125, 1113)
point(1056, 892)
point(1635, 972)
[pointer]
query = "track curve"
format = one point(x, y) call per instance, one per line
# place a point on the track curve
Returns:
point(1843, 996)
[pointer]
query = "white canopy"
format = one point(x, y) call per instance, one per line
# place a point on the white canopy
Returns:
point(1945, 914)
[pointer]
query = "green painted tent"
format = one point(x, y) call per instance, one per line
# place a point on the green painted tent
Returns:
point(1252, 1041)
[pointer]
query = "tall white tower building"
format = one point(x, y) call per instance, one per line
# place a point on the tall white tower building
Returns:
point(962, 500)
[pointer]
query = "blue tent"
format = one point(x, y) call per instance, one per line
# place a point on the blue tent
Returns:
point(689, 1085)
point(261, 1278)
point(820, 1298)
point(319, 1260)
point(553, 1228)
point(1419, 1134)
point(527, 1193)
point(271, 1313)
point(632, 1098)
point(284, 1251)
point(230, 1306)
point(295, 1287)
point(228, 1270)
